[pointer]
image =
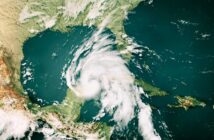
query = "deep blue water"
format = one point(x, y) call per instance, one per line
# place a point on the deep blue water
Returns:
point(181, 33)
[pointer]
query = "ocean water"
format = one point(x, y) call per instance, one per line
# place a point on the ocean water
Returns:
point(85, 60)
point(179, 54)
point(46, 56)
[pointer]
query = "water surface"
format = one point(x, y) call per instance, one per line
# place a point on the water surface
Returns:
point(46, 58)
point(179, 60)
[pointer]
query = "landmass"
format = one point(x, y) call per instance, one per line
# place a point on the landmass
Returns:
point(187, 102)
point(151, 90)
point(22, 19)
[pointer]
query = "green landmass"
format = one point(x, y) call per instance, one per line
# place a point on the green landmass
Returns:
point(20, 20)
point(187, 102)
point(151, 90)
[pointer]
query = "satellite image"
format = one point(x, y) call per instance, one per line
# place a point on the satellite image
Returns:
point(106, 70)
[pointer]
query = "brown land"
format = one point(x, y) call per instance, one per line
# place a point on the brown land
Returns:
point(12, 34)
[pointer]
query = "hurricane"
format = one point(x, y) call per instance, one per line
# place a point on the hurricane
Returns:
point(98, 72)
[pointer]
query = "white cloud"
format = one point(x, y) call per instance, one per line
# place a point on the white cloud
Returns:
point(14, 124)
point(97, 72)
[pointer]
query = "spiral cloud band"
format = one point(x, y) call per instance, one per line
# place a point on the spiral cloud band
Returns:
point(98, 72)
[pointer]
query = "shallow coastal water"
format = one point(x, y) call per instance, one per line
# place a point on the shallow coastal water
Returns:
point(178, 57)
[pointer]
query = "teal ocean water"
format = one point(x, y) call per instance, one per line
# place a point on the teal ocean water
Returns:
point(46, 56)
point(181, 35)
point(176, 54)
